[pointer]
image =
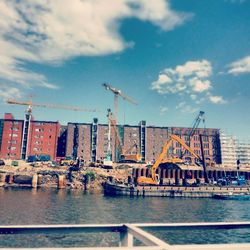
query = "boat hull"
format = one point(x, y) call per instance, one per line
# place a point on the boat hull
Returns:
point(232, 196)
point(113, 189)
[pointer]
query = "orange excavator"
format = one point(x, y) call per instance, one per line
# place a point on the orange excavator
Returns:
point(154, 179)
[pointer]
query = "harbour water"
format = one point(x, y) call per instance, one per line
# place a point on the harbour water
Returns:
point(52, 206)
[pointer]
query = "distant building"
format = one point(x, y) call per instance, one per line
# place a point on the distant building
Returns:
point(79, 141)
point(158, 136)
point(228, 145)
point(11, 137)
point(89, 141)
point(41, 138)
point(243, 152)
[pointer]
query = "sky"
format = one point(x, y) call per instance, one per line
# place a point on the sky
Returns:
point(174, 58)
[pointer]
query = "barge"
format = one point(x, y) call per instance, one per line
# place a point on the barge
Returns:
point(114, 189)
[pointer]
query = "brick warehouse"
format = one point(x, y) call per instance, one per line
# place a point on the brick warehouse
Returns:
point(11, 137)
point(42, 138)
point(90, 140)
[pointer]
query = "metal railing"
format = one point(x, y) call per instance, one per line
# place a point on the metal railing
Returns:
point(129, 232)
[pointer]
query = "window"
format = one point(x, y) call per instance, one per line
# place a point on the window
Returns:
point(39, 129)
point(38, 136)
point(14, 129)
point(12, 141)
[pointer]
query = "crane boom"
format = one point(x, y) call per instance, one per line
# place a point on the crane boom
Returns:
point(197, 122)
point(47, 105)
point(119, 92)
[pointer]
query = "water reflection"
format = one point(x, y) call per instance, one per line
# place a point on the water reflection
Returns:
point(53, 206)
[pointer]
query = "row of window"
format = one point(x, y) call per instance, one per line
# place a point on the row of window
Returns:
point(14, 129)
point(13, 135)
point(40, 149)
point(11, 148)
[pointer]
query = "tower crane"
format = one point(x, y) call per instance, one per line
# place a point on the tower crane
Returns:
point(197, 122)
point(30, 104)
point(201, 116)
point(123, 154)
point(28, 115)
point(117, 93)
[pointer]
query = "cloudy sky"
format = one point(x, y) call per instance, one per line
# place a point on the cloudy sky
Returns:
point(174, 58)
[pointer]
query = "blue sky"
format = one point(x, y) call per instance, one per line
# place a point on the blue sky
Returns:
point(173, 57)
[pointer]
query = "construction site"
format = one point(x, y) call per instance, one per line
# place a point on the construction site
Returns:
point(144, 156)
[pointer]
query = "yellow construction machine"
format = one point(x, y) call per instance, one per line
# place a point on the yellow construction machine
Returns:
point(124, 154)
point(154, 179)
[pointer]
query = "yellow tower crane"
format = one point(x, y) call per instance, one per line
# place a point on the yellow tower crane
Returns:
point(30, 104)
point(28, 115)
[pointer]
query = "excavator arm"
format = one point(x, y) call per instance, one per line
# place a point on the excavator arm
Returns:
point(184, 145)
point(154, 179)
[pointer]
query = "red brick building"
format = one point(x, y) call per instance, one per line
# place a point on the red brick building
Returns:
point(43, 137)
point(90, 140)
point(11, 137)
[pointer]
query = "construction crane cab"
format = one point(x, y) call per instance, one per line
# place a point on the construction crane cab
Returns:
point(154, 178)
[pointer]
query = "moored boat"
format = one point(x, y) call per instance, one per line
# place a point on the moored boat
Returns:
point(232, 196)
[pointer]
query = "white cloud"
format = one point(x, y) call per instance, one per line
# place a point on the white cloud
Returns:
point(200, 69)
point(186, 108)
point(191, 79)
point(217, 99)
point(235, 1)
point(239, 67)
point(8, 92)
point(199, 85)
point(52, 31)
point(163, 110)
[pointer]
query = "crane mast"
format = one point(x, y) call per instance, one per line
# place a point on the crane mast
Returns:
point(113, 121)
